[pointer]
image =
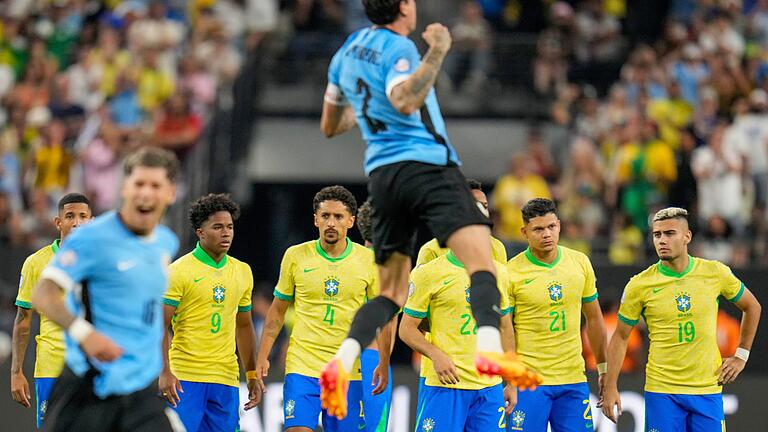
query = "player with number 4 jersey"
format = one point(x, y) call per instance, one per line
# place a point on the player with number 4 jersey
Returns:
point(208, 306)
point(326, 280)
point(678, 298)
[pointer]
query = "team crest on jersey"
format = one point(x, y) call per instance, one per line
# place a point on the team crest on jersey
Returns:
point(402, 65)
point(218, 293)
point(331, 286)
point(555, 291)
point(517, 418)
point(67, 258)
point(466, 292)
point(428, 425)
point(290, 406)
point(683, 301)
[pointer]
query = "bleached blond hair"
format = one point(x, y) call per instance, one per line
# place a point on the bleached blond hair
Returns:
point(671, 213)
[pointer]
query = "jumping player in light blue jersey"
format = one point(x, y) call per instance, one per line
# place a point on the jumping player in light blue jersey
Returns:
point(114, 271)
point(378, 81)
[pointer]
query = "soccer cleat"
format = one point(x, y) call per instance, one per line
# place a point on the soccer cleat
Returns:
point(334, 383)
point(509, 367)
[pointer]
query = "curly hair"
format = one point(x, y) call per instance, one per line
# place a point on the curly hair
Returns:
point(538, 207)
point(364, 221)
point(336, 193)
point(382, 12)
point(207, 205)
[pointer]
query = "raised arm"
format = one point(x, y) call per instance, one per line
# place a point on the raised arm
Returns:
point(408, 96)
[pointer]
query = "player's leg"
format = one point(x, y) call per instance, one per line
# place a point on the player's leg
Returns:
point(705, 412)
point(301, 403)
point(532, 411)
point(571, 411)
point(43, 387)
point(144, 411)
point(73, 407)
point(444, 409)
point(375, 407)
point(191, 405)
point(221, 409)
point(664, 413)
point(487, 411)
point(355, 420)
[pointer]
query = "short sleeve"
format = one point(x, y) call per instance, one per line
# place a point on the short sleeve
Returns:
point(499, 251)
point(400, 63)
point(285, 288)
point(730, 286)
point(177, 282)
point(589, 294)
point(246, 304)
point(426, 254)
point(27, 281)
point(334, 95)
point(419, 295)
point(631, 304)
point(74, 262)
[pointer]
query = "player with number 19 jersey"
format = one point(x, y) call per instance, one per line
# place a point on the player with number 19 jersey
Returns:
point(371, 63)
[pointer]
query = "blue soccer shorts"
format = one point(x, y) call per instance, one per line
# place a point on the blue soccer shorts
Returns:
point(565, 407)
point(375, 408)
point(301, 405)
point(43, 387)
point(209, 407)
point(453, 410)
point(684, 413)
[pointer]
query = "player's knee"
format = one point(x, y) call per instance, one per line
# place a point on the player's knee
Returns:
point(485, 299)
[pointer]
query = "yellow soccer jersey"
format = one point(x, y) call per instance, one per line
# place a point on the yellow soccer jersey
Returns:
point(546, 302)
point(207, 297)
point(49, 356)
point(326, 293)
point(680, 310)
point(439, 291)
point(431, 250)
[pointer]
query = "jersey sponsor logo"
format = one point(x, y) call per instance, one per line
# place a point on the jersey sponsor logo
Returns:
point(402, 65)
point(311, 269)
point(555, 290)
point(411, 289)
point(655, 290)
point(196, 280)
point(448, 281)
point(683, 301)
point(527, 281)
point(125, 265)
point(290, 406)
point(218, 293)
point(428, 425)
point(331, 286)
point(517, 418)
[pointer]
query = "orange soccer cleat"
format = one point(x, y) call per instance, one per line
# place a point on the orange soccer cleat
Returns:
point(509, 367)
point(334, 383)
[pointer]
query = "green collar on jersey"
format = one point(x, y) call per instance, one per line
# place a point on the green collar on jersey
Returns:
point(324, 254)
point(666, 271)
point(206, 259)
point(56, 245)
point(453, 260)
point(533, 260)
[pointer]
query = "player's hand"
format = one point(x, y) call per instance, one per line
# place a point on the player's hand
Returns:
point(255, 390)
point(729, 370)
point(510, 398)
point(20, 389)
point(262, 368)
point(168, 384)
point(611, 403)
point(445, 368)
point(437, 37)
point(600, 389)
point(380, 379)
point(100, 347)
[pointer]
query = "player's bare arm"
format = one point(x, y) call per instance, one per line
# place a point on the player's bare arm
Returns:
point(46, 298)
point(597, 335)
point(617, 349)
point(272, 326)
point(508, 344)
point(245, 337)
point(19, 384)
point(336, 119)
point(732, 366)
point(408, 97)
point(385, 341)
point(444, 366)
point(169, 385)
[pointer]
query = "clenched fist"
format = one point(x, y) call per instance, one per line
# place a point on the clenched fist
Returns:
point(437, 37)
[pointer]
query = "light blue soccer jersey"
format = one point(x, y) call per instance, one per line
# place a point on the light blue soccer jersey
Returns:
point(363, 73)
point(117, 280)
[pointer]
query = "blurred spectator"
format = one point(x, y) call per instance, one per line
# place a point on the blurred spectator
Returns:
point(707, 115)
point(468, 62)
point(37, 224)
point(626, 246)
point(11, 233)
point(196, 81)
point(550, 68)
point(716, 241)
point(598, 35)
point(153, 84)
point(573, 237)
point(717, 167)
point(512, 191)
point(52, 162)
point(690, 72)
point(683, 192)
point(539, 155)
point(617, 109)
point(671, 113)
point(101, 175)
point(633, 360)
point(177, 127)
point(580, 190)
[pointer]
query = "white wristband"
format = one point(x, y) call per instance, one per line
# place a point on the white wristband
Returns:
point(80, 329)
point(602, 368)
point(742, 354)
